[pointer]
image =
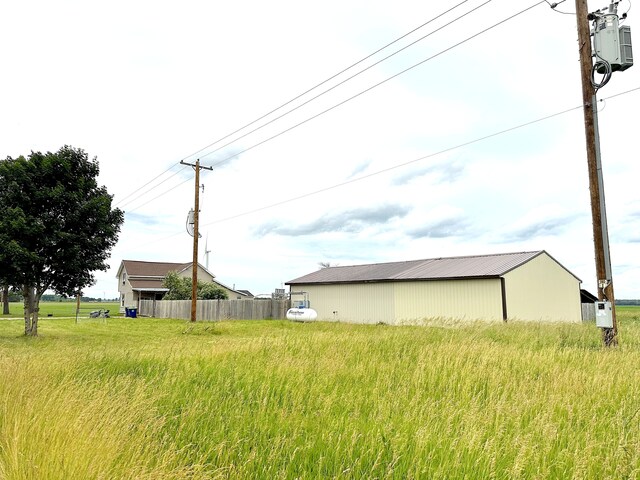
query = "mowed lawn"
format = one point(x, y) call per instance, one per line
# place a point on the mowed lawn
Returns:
point(63, 309)
point(165, 399)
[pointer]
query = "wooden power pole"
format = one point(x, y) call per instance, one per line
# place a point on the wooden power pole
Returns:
point(596, 184)
point(194, 265)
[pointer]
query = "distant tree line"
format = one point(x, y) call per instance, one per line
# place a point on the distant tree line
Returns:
point(627, 302)
point(61, 298)
point(16, 296)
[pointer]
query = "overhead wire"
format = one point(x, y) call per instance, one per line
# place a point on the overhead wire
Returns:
point(273, 137)
point(555, 4)
point(415, 160)
point(620, 94)
point(149, 182)
point(141, 194)
point(326, 80)
point(394, 167)
point(158, 196)
point(120, 202)
point(344, 81)
point(362, 92)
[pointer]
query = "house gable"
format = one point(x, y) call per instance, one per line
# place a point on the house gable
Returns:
point(141, 279)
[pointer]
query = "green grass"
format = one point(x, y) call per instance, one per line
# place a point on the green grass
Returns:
point(63, 309)
point(144, 398)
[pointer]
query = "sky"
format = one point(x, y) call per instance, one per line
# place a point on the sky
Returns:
point(394, 159)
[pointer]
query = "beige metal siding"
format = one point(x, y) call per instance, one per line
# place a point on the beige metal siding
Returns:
point(353, 303)
point(478, 299)
point(541, 289)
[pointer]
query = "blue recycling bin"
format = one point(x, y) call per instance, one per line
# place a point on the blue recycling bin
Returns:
point(132, 312)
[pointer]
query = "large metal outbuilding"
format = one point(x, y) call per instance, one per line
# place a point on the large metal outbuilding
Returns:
point(502, 287)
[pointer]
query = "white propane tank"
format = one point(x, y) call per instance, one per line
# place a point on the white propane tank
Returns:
point(302, 314)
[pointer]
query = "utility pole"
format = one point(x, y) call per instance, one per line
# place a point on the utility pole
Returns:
point(194, 265)
point(596, 184)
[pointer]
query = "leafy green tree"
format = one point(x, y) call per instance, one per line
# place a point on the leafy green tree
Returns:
point(210, 291)
point(57, 226)
point(180, 288)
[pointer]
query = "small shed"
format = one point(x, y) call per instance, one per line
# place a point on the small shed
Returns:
point(588, 304)
point(500, 287)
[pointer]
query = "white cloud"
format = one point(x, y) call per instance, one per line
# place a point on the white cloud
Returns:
point(143, 85)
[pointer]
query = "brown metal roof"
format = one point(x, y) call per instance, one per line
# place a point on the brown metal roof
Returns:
point(479, 266)
point(136, 268)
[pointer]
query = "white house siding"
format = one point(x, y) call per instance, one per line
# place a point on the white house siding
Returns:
point(541, 289)
point(127, 299)
point(478, 299)
point(126, 293)
point(353, 303)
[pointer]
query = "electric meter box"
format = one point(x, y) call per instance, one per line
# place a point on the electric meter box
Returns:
point(604, 315)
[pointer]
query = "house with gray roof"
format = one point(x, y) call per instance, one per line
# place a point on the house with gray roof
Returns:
point(499, 287)
point(140, 280)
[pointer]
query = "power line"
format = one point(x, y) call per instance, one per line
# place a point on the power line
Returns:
point(619, 94)
point(152, 188)
point(120, 202)
point(325, 81)
point(340, 83)
point(511, 17)
point(335, 86)
point(315, 97)
point(158, 196)
point(378, 84)
point(149, 182)
point(394, 167)
point(555, 4)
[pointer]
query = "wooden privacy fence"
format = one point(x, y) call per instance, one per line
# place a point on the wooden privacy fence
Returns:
point(588, 312)
point(257, 309)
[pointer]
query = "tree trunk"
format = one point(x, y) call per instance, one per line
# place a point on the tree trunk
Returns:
point(5, 300)
point(31, 309)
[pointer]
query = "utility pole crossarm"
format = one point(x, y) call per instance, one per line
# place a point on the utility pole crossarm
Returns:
point(197, 164)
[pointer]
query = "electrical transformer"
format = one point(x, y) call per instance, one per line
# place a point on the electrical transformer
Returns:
point(606, 39)
point(611, 44)
point(626, 53)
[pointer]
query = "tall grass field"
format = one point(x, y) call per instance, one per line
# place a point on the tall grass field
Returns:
point(165, 399)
